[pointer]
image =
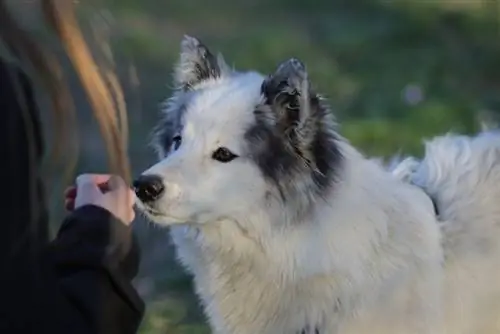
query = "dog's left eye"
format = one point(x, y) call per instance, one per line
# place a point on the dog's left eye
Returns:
point(222, 154)
point(176, 142)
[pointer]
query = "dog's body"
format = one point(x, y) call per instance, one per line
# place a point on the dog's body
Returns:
point(289, 230)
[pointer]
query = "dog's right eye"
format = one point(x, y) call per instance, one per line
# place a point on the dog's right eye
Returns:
point(176, 142)
point(222, 154)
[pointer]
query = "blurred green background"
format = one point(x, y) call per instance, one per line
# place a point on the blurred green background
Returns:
point(396, 72)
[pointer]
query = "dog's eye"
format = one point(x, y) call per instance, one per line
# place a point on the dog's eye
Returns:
point(222, 154)
point(176, 142)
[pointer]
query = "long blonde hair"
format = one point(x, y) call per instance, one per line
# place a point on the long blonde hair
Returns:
point(101, 86)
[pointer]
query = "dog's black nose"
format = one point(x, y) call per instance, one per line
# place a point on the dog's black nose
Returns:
point(149, 187)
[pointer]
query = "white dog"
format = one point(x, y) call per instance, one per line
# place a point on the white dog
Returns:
point(288, 229)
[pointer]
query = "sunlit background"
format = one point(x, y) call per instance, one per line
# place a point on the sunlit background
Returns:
point(396, 72)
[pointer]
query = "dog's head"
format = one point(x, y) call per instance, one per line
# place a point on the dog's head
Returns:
point(230, 141)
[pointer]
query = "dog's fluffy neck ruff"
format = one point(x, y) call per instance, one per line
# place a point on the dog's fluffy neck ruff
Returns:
point(233, 241)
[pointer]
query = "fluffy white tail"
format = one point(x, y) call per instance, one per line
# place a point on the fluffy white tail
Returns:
point(462, 176)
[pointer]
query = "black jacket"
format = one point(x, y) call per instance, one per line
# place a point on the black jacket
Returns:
point(81, 281)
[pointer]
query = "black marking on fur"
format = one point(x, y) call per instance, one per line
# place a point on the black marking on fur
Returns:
point(284, 157)
point(271, 155)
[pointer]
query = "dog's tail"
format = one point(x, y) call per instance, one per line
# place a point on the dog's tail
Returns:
point(461, 174)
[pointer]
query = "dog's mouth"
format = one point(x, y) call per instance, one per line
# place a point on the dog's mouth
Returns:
point(147, 208)
point(153, 212)
point(156, 215)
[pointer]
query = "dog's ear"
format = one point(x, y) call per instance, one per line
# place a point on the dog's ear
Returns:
point(291, 105)
point(197, 64)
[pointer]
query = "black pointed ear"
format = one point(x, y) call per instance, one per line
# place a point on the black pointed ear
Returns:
point(295, 110)
point(197, 64)
point(287, 91)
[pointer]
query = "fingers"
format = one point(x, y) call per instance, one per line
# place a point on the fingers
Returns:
point(94, 188)
point(69, 204)
point(95, 178)
point(87, 191)
point(70, 192)
point(86, 186)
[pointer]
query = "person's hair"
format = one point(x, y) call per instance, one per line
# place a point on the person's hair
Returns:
point(102, 89)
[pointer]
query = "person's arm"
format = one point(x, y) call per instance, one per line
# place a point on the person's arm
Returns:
point(79, 283)
point(94, 258)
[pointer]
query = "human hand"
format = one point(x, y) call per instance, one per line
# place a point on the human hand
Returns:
point(109, 192)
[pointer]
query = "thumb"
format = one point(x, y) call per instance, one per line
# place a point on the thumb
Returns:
point(120, 190)
point(115, 182)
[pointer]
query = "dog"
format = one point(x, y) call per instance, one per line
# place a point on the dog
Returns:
point(288, 229)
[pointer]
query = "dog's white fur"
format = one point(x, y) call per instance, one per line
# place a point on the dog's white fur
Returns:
point(369, 261)
point(372, 257)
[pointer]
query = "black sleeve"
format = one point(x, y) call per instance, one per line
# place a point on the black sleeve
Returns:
point(81, 282)
point(94, 258)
